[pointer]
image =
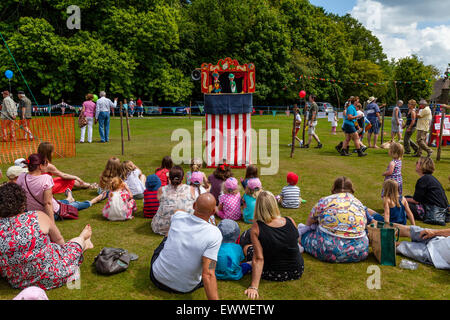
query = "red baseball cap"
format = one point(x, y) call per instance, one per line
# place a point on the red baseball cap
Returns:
point(292, 178)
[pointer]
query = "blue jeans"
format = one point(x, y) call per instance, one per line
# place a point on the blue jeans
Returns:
point(103, 122)
point(79, 205)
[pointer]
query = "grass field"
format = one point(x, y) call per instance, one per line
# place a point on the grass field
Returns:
point(317, 170)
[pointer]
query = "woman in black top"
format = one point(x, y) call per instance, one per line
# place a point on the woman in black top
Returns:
point(428, 190)
point(410, 126)
point(275, 249)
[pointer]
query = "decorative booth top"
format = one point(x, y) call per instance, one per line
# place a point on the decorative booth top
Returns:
point(228, 76)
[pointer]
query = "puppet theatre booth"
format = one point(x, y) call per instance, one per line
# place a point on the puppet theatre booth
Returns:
point(228, 89)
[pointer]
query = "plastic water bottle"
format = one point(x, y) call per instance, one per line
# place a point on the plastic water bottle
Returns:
point(406, 264)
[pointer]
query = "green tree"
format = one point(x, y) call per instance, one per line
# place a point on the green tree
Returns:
point(411, 69)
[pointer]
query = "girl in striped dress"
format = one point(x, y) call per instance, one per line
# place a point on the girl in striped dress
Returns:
point(394, 169)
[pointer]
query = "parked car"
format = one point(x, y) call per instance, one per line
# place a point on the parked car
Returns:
point(325, 107)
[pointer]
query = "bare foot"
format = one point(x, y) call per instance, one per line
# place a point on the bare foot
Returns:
point(86, 233)
point(88, 244)
point(69, 195)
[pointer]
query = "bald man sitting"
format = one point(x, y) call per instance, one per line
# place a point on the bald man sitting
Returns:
point(186, 258)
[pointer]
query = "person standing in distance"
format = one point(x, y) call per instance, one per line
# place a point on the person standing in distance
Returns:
point(102, 115)
point(423, 126)
point(8, 116)
point(25, 114)
point(312, 122)
point(373, 115)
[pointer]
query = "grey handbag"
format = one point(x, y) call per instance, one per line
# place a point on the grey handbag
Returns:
point(113, 260)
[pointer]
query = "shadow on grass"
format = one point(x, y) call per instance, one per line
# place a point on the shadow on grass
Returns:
point(147, 288)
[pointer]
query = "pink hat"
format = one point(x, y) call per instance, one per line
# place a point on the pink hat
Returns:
point(254, 183)
point(196, 177)
point(231, 184)
point(31, 293)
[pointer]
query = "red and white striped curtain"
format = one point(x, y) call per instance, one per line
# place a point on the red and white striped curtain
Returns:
point(228, 138)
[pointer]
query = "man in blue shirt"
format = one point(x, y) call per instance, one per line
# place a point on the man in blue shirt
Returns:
point(102, 115)
point(373, 115)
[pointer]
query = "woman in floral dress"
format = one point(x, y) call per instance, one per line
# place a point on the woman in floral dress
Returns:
point(32, 250)
point(173, 197)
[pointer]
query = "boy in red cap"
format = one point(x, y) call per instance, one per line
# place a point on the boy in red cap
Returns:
point(290, 195)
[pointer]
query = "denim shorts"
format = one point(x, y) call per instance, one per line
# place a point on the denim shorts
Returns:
point(349, 129)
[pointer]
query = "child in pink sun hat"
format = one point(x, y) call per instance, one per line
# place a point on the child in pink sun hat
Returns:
point(230, 201)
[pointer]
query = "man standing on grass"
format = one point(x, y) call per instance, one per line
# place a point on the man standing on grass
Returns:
point(312, 122)
point(423, 126)
point(373, 115)
point(25, 114)
point(186, 258)
point(102, 115)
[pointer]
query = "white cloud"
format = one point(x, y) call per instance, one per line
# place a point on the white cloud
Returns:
point(395, 23)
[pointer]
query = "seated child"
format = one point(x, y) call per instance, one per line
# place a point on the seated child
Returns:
point(230, 201)
point(252, 191)
point(14, 172)
point(112, 169)
point(290, 194)
point(230, 255)
point(120, 205)
point(134, 179)
point(196, 165)
point(198, 189)
point(163, 171)
point(151, 202)
point(250, 173)
point(396, 208)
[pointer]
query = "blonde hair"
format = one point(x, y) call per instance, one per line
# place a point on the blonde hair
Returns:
point(413, 102)
point(117, 184)
point(111, 171)
point(396, 150)
point(426, 165)
point(196, 164)
point(390, 191)
point(266, 207)
point(125, 169)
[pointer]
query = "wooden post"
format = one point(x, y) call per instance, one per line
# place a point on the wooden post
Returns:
point(337, 96)
point(445, 93)
point(190, 106)
point(382, 126)
point(50, 107)
point(121, 126)
point(128, 124)
point(430, 130)
point(396, 92)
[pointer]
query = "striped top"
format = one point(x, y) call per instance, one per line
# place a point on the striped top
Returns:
point(291, 197)
point(151, 203)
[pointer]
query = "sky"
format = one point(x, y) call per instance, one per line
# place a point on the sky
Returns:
point(404, 27)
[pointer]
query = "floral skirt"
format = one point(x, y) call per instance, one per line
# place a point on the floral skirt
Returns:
point(328, 248)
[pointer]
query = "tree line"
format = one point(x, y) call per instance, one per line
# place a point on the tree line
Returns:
point(148, 49)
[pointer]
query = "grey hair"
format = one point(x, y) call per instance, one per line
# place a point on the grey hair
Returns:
point(102, 94)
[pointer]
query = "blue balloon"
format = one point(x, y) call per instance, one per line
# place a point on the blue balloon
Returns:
point(9, 74)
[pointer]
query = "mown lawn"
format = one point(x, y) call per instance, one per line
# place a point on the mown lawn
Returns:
point(317, 170)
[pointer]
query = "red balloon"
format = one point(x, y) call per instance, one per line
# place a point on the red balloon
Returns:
point(302, 94)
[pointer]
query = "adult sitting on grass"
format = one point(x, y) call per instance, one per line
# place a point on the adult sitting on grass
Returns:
point(62, 181)
point(427, 246)
point(175, 196)
point(428, 192)
point(32, 250)
point(338, 224)
point(38, 187)
point(186, 259)
point(274, 249)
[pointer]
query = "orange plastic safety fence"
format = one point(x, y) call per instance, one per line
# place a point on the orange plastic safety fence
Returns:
point(20, 138)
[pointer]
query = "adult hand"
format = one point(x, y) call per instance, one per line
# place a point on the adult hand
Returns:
point(115, 99)
point(252, 293)
point(95, 121)
point(428, 234)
